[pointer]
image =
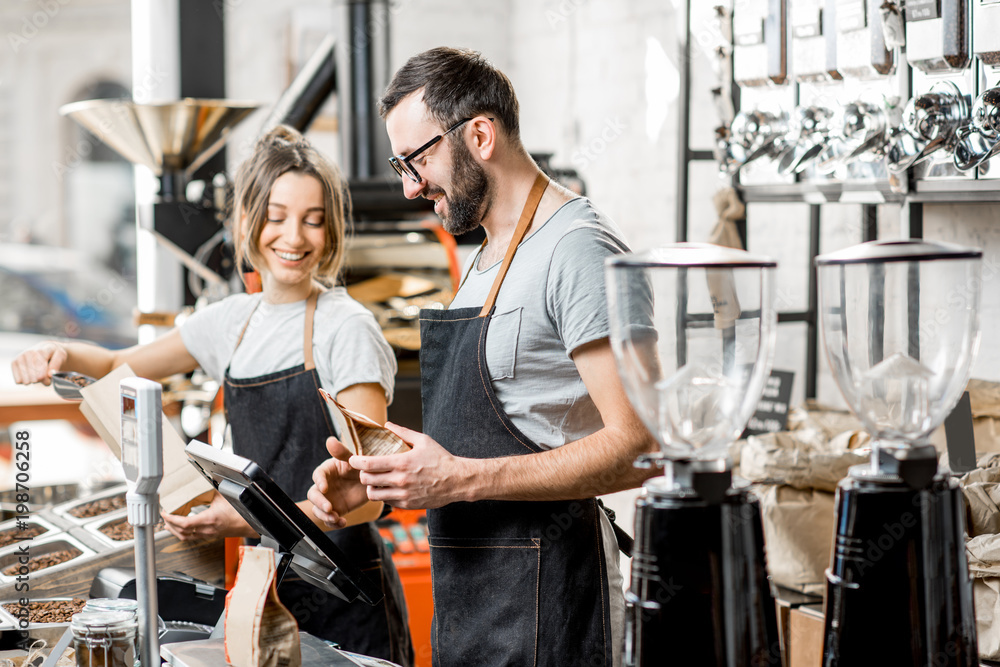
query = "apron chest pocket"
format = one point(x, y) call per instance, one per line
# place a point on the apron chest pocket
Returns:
point(491, 585)
point(501, 344)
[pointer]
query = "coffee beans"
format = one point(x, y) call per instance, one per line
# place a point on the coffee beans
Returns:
point(43, 561)
point(98, 507)
point(121, 530)
point(12, 535)
point(48, 611)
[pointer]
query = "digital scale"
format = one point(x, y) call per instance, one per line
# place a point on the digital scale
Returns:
point(142, 461)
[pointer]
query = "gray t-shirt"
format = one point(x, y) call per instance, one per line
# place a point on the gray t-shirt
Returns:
point(348, 346)
point(551, 302)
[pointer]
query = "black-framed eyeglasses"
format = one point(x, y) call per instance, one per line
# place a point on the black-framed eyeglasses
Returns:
point(402, 163)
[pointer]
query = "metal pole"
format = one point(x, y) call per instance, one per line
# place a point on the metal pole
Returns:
point(362, 95)
point(683, 120)
point(145, 589)
point(812, 335)
point(869, 222)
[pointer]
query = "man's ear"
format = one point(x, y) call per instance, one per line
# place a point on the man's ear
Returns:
point(484, 137)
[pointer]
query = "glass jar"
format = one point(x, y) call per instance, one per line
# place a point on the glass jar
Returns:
point(112, 604)
point(104, 638)
point(122, 604)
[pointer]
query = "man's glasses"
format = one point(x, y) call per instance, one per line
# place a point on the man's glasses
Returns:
point(402, 163)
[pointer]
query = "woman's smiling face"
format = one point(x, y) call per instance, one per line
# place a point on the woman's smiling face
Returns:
point(293, 238)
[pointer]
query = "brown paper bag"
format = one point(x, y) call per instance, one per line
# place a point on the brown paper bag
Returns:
point(259, 630)
point(362, 435)
point(983, 502)
point(984, 566)
point(181, 482)
point(980, 487)
point(798, 534)
point(803, 459)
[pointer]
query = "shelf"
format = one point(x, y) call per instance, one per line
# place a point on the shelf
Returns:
point(956, 191)
point(823, 193)
point(959, 191)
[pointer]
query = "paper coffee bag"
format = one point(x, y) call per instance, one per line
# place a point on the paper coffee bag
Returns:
point(260, 631)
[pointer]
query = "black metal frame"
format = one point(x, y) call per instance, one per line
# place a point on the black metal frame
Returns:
point(816, 195)
point(791, 193)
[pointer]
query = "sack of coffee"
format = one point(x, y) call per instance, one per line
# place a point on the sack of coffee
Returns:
point(260, 631)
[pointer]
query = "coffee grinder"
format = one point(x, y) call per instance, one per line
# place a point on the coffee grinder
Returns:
point(900, 322)
point(693, 329)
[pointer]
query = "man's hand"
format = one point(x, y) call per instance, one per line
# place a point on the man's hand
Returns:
point(336, 489)
point(37, 363)
point(425, 477)
point(219, 520)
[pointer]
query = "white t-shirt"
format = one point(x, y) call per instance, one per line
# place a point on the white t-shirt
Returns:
point(551, 302)
point(348, 346)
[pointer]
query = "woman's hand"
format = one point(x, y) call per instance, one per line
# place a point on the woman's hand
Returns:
point(219, 520)
point(336, 489)
point(37, 363)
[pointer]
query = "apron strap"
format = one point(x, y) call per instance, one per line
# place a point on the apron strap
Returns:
point(307, 348)
point(245, 325)
point(624, 540)
point(527, 213)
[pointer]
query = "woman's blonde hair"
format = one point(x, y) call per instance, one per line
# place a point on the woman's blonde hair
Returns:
point(280, 151)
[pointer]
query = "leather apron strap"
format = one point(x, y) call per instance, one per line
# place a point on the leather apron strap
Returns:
point(527, 214)
point(307, 348)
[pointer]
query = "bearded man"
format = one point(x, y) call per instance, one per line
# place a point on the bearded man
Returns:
point(525, 418)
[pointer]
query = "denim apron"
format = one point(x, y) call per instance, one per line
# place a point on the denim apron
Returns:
point(279, 421)
point(514, 583)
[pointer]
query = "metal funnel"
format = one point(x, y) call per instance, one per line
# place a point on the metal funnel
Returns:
point(168, 137)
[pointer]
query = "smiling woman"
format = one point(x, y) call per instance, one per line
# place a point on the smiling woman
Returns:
point(271, 351)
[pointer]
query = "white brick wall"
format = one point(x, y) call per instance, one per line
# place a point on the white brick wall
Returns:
point(582, 75)
point(976, 225)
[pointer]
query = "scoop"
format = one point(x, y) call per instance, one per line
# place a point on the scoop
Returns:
point(68, 384)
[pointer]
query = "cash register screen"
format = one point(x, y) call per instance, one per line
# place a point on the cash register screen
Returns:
point(270, 511)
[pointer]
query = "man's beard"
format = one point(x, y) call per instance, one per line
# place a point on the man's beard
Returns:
point(470, 187)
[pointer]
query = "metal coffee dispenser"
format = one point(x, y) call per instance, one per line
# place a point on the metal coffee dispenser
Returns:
point(756, 134)
point(900, 323)
point(756, 140)
point(977, 142)
point(866, 101)
point(938, 49)
point(814, 65)
point(930, 124)
point(693, 330)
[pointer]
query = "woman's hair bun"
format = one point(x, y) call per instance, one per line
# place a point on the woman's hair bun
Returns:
point(284, 134)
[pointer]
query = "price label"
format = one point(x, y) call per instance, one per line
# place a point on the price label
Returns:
point(772, 408)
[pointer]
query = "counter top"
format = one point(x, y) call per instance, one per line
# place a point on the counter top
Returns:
point(34, 403)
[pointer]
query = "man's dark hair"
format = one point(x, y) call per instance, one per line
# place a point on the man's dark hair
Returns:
point(457, 84)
